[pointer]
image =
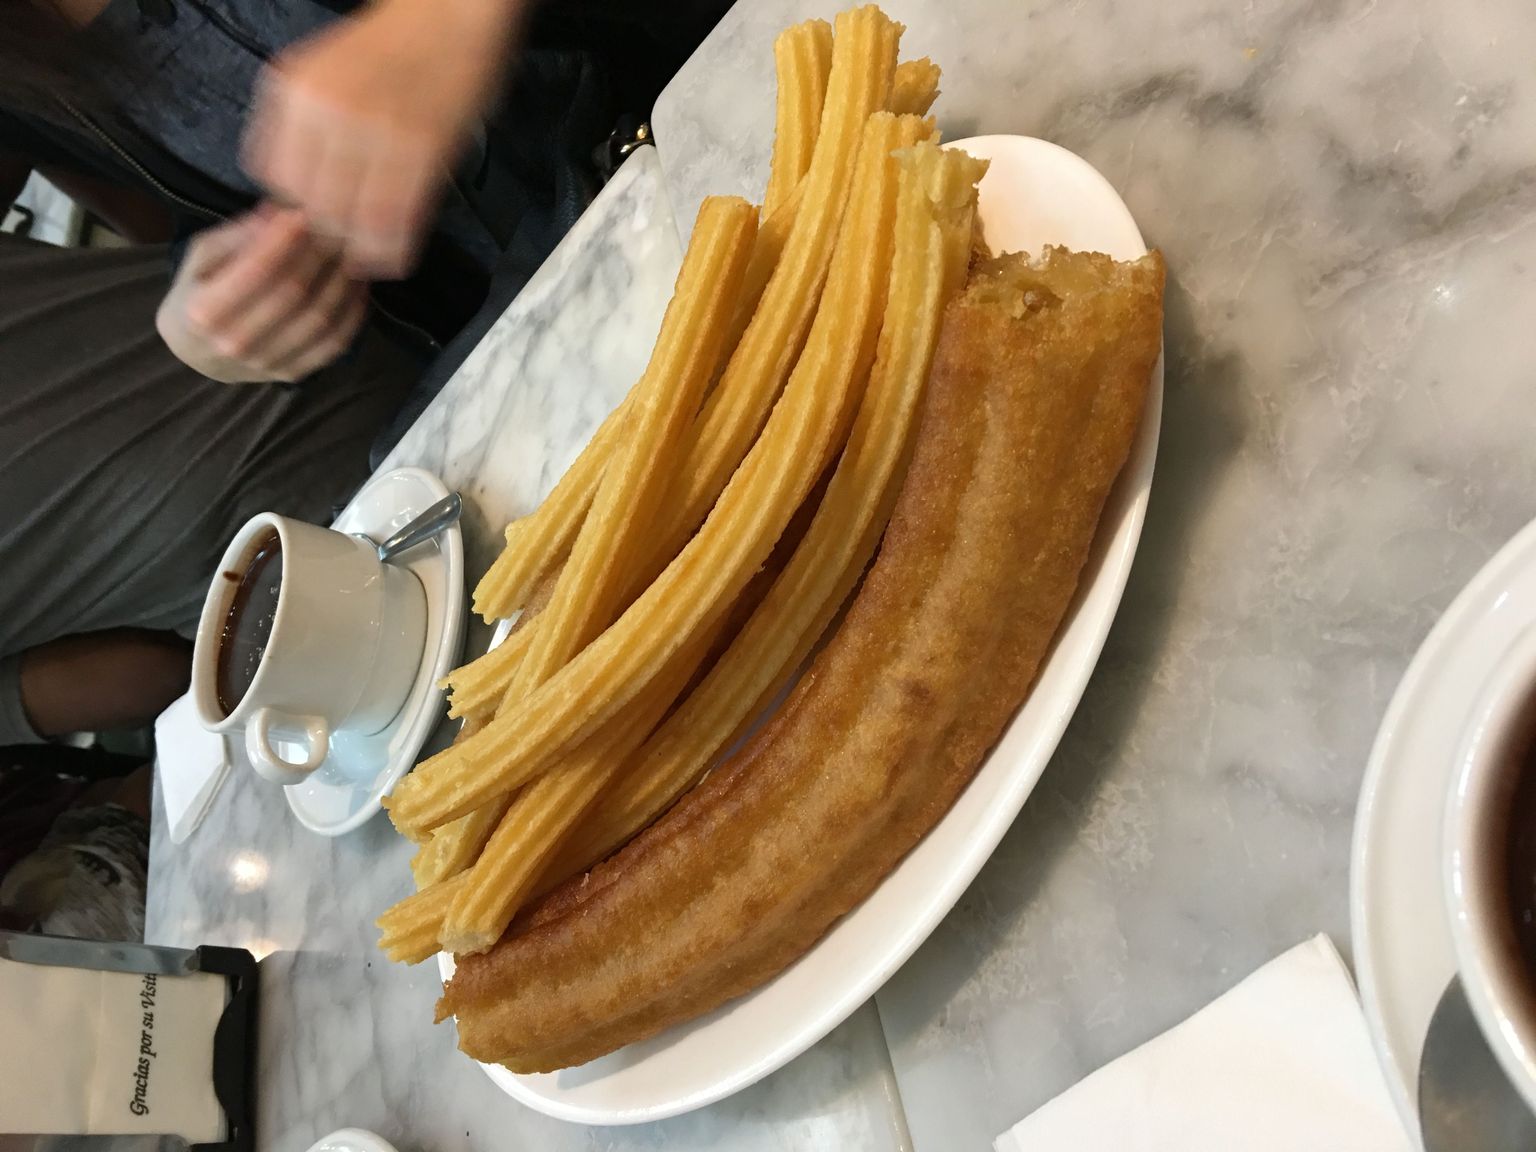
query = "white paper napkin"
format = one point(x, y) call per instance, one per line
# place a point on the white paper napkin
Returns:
point(1281, 1063)
point(93, 1052)
point(191, 763)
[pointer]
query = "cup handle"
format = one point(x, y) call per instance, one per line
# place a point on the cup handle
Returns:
point(264, 758)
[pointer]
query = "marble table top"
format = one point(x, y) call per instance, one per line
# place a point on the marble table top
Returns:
point(1346, 196)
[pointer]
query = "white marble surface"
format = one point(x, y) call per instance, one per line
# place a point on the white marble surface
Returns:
point(346, 1038)
point(1346, 195)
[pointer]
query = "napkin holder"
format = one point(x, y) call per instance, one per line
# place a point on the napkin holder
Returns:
point(234, 1034)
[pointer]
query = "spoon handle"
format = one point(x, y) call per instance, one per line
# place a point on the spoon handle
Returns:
point(431, 521)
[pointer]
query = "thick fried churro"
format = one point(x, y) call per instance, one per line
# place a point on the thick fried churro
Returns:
point(805, 427)
point(802, 56)
point(914, 87)
point(1036, 394)
point(933, 228)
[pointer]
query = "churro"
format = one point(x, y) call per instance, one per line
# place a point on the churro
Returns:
point(408, 931)
point(476, 688)
point(802, 56)
point(864, 58)
point(456, 845)
point(778, 306)
point(587, 596)
point(544, 812)
point(661, 408)
point(914, 87)
point(469, 911)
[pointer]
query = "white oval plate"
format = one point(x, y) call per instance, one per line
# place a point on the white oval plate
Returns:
point(349, 788)
point(1034, 194)
point(1404, 955)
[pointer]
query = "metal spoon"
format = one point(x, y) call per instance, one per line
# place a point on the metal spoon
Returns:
point(1466, 1102)
point(427, 525)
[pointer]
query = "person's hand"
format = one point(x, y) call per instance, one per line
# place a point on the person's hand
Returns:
point(359, 124)
point(261, 299)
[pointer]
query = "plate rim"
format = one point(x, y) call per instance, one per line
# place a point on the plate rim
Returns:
point(1456, 627)
point(450, 646)
point(1133, 486)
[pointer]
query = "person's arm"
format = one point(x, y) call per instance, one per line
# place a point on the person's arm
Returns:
point(359, 125)
point(96, 681)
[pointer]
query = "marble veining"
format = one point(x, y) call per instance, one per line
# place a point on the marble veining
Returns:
point(1345, 191)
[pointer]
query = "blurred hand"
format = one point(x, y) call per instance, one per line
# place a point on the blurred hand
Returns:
point(261, 299)
point(359, 124)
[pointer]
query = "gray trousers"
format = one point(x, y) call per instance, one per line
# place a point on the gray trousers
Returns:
point(123, 473)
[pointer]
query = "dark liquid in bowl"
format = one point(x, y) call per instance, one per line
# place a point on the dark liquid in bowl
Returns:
point(1520, 861)
point(248, 625)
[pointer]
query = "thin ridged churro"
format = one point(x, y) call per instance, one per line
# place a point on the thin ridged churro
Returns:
point(915, 87)
point(803, 58)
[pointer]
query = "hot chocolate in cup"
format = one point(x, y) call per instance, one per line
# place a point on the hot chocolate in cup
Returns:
point(304, 633)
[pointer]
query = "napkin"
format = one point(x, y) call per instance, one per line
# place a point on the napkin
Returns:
point(191, 763)
point(1281, 1063)
point(95, 1052)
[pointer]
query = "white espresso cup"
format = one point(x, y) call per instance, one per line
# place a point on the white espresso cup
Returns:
point(344, 648)
point(1487, 797)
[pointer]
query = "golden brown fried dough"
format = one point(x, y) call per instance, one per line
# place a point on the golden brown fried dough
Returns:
point(808, 425)
point(1037, 391)
point(914, 87)
point(617, 530)
point(768, 334)
point(803, 57)
point(933, 236)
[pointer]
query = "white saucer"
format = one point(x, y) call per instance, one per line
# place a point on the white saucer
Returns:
point(360, 770)
point(1402, 939)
